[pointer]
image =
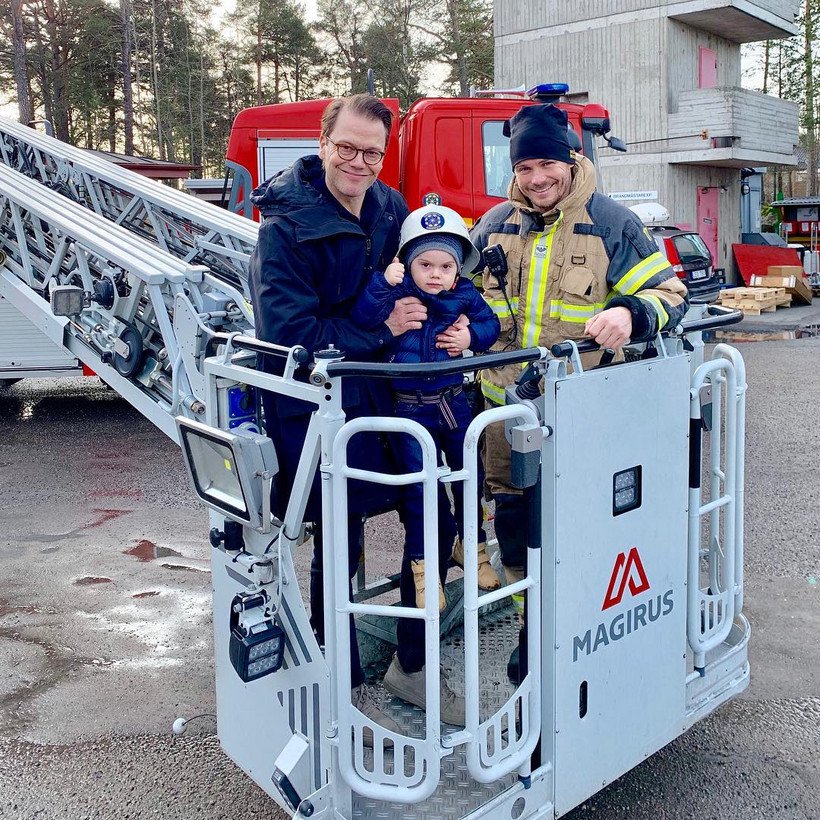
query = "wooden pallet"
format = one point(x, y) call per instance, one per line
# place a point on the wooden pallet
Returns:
point(754, 301)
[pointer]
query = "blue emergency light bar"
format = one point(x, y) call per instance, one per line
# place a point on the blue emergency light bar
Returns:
point(548, 92)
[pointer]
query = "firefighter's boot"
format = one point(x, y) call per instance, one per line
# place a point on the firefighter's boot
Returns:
point(487, 576)
point(418, 580)
point(513, 575)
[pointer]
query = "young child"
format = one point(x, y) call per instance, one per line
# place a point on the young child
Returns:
point(436, 247)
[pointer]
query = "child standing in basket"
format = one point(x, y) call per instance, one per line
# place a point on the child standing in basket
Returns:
point(435, 246)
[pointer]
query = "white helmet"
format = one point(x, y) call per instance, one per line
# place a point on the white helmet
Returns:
point(432, 219)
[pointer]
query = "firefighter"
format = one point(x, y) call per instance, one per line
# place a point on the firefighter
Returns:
point(328, 223)
point(577, 265)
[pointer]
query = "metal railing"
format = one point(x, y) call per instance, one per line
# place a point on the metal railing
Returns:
point(489, 757)
point(715, 573)
point(415, 767)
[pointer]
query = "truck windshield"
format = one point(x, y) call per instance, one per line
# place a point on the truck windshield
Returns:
point(496, 149)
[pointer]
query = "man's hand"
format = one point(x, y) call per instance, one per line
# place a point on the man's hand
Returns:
point(394, 272)
point(611, 328)
point(408, 313)
point(456, 338)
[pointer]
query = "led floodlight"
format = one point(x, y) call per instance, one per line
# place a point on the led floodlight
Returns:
point(626, 490)
point(231, 472)
point(257, 642)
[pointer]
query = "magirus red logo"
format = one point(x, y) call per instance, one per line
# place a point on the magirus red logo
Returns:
point(628, 569)
point(627, 572)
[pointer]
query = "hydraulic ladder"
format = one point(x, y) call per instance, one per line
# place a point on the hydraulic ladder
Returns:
point(155, 273)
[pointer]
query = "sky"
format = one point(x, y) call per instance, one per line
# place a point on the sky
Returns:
point(222, 7)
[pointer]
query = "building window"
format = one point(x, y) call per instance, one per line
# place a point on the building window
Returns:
point(496, 149)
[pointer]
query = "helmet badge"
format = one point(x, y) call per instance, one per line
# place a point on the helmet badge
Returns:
point(432, 221)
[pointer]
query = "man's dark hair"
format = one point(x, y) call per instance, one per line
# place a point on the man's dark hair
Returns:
point(363, 105)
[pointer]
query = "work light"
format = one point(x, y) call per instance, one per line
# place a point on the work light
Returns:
point(626, 490)
point(258, 652)
point(231, 472)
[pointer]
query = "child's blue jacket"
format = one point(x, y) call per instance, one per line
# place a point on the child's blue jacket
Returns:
point(376, 302)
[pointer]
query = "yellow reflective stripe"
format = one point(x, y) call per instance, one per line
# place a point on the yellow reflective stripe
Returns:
point(531, 316)
point(500, 307)
point(537, 285)
point(493, 392)
point(573, 313)
point(636, 277)
point(663, 316)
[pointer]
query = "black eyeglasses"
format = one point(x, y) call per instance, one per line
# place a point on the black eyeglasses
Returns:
point(347, 152)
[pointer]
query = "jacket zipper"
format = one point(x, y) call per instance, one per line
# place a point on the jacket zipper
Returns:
point(368, 249)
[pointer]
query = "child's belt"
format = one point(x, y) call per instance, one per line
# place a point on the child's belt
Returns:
point(440, 397)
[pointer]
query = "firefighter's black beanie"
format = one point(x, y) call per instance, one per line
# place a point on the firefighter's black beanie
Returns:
point(539, 132)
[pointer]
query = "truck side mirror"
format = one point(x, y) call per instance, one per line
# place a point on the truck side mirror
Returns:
point(616, 144)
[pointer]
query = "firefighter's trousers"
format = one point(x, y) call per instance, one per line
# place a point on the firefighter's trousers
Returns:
point(510, 505)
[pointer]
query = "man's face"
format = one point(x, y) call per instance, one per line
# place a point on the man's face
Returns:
point(545, 182)
point(348, 180)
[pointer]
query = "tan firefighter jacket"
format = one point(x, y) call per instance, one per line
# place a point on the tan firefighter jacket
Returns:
point(587, 254)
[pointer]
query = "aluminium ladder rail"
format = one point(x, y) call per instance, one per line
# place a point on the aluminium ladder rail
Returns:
point(187, 227)
point(149, 336)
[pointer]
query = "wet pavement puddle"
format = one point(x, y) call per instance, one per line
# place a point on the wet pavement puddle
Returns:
point(737, 336)
point(103, 516)
point(149, 551)
point(9, 609)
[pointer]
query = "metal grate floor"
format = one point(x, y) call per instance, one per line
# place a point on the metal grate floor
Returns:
point(457, 794)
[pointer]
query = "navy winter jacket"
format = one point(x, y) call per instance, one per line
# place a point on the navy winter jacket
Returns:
point(312, 260)
point(377, 300)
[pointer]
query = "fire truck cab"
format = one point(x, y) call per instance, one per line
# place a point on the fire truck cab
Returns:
point(449, 151)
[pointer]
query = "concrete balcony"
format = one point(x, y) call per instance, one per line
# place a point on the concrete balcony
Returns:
point(733, 128)
point(742, 21)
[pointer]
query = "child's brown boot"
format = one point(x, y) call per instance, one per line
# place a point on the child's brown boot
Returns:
point(418, 578)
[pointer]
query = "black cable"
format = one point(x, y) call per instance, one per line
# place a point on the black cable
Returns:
point(502, 283)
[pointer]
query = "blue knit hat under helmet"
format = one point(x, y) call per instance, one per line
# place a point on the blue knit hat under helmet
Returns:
point(436, 241)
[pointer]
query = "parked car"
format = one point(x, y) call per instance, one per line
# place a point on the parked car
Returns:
point(690, 259)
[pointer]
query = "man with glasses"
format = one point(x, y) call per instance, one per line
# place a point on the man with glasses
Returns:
point(328, 224)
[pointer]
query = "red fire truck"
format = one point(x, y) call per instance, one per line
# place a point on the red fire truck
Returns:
point(443, 150)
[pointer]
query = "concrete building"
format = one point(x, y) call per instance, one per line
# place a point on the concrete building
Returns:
point(669, 73)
